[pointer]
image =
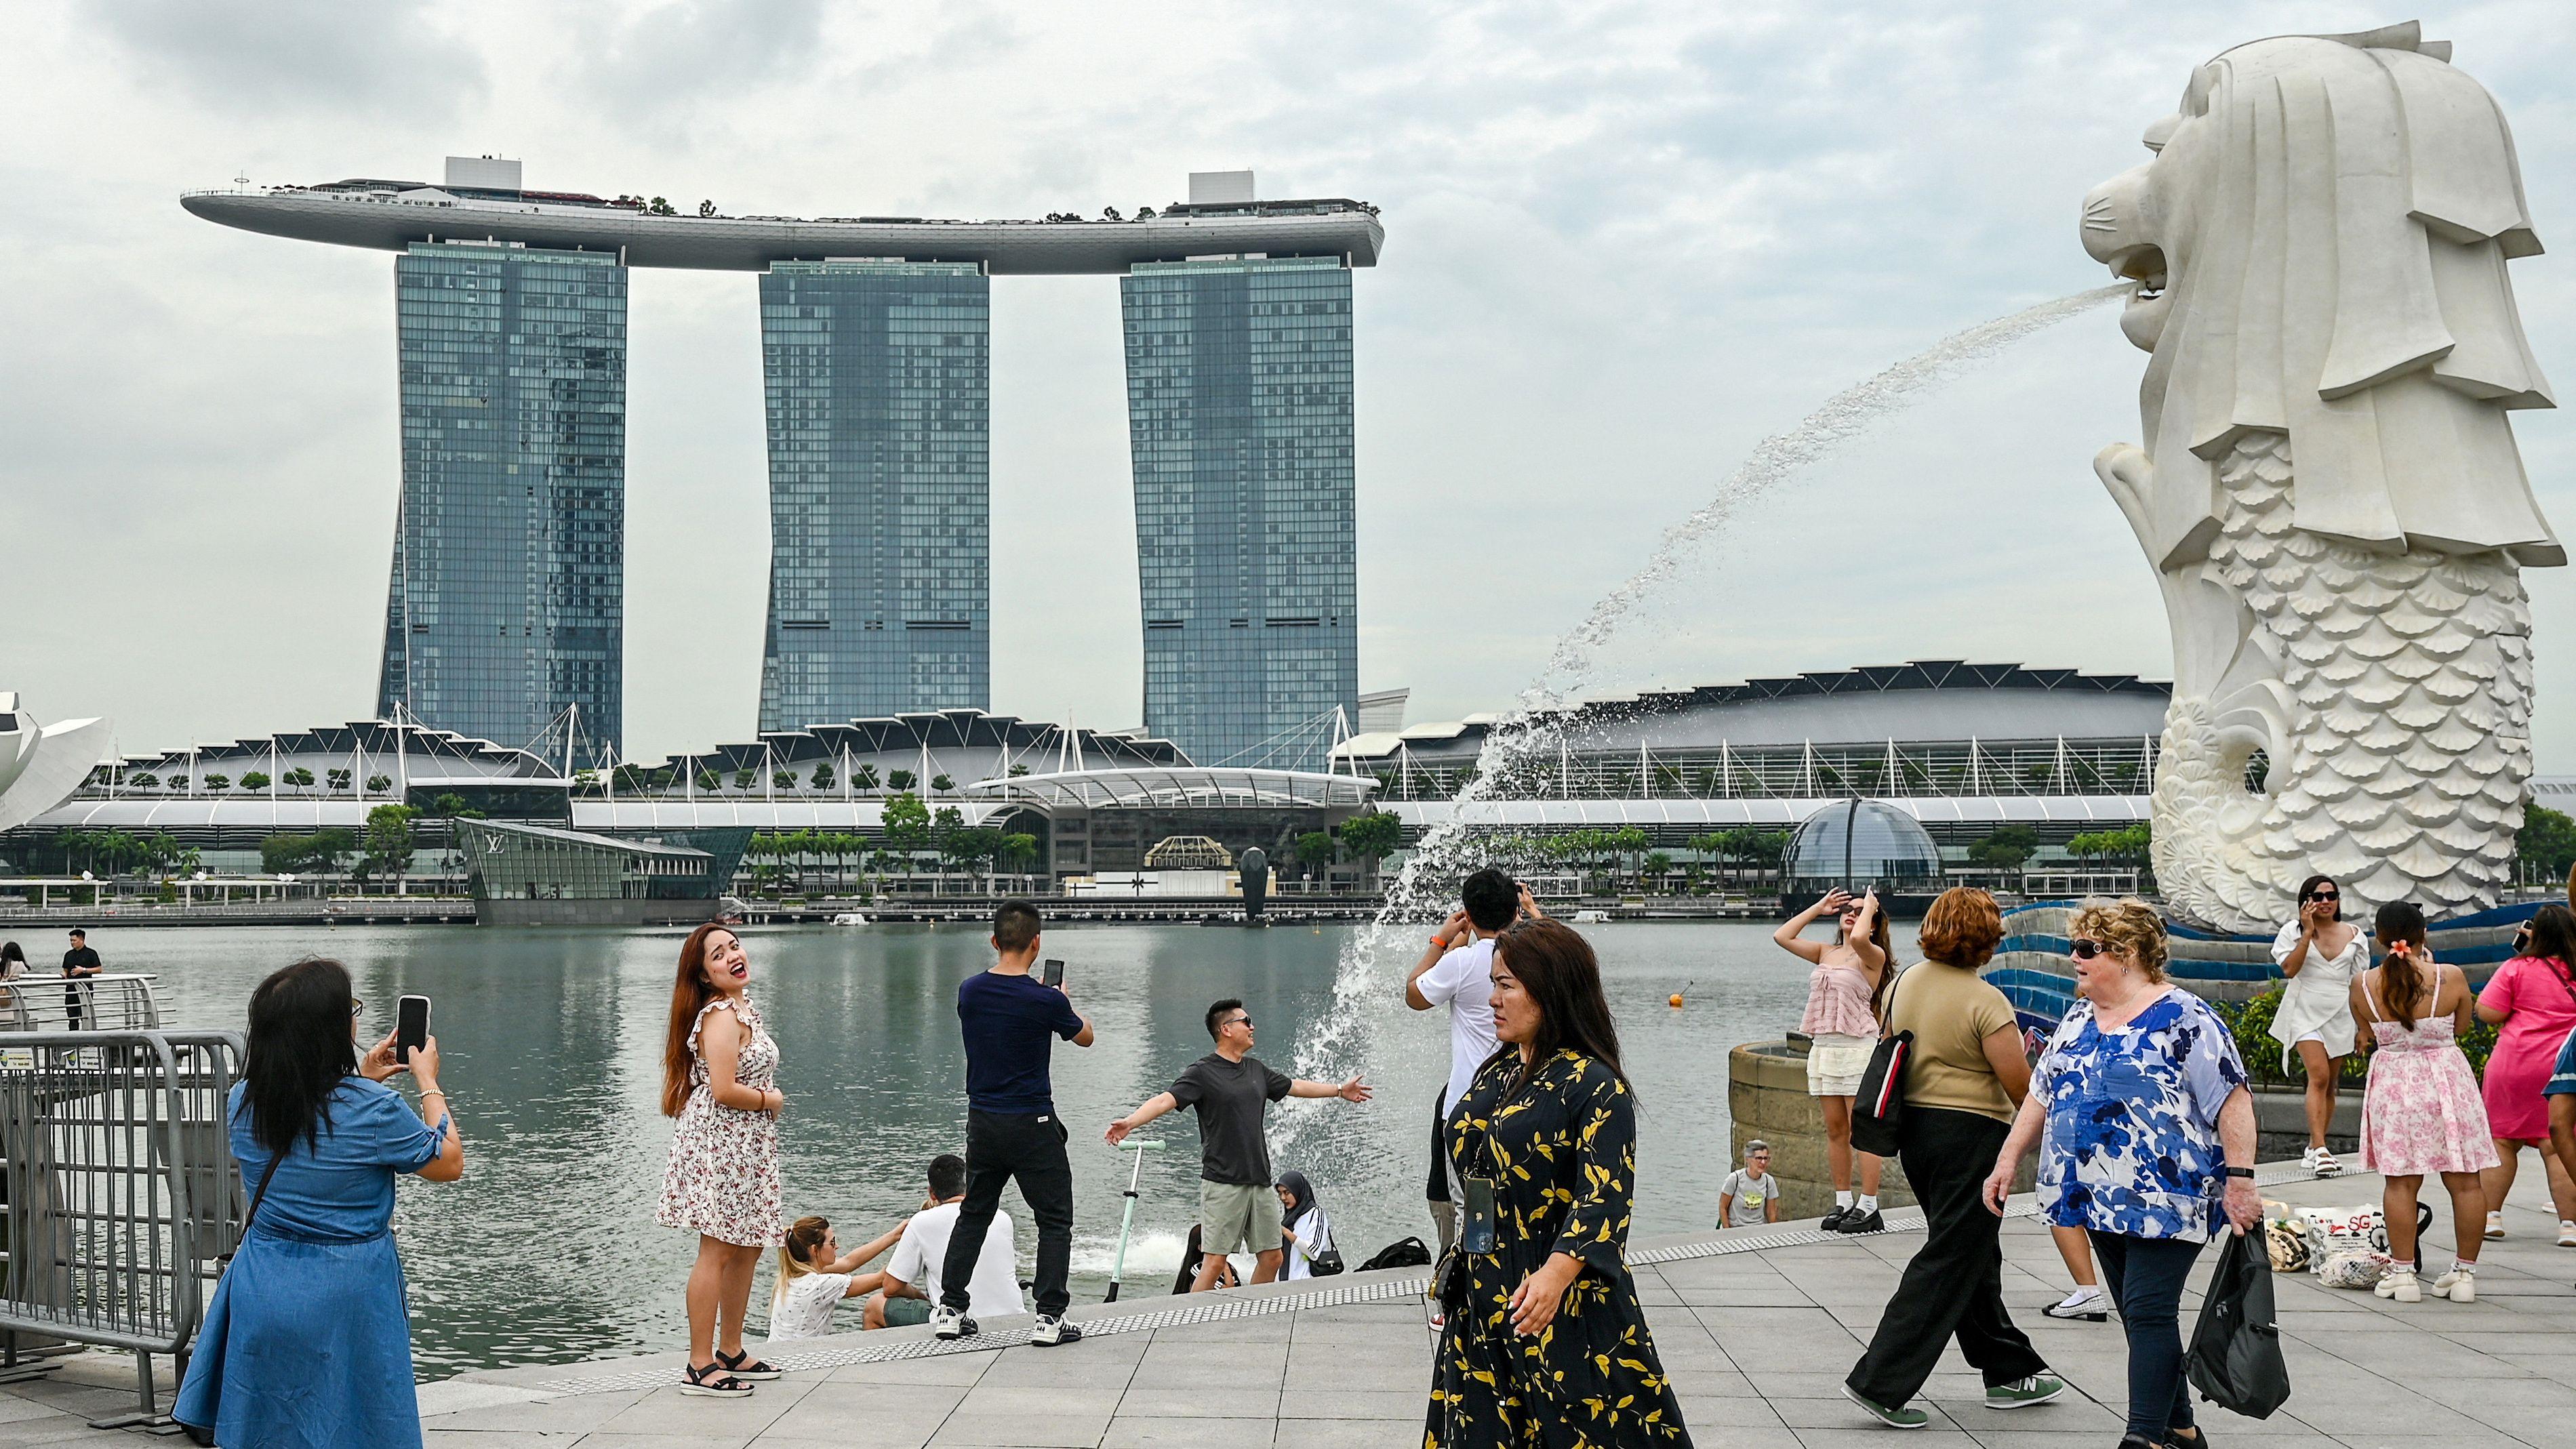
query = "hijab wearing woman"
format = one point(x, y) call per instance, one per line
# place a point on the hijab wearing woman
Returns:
point(1303, 1225)
point(1545, 1144)
point(719, 1078)
point(308, 1339)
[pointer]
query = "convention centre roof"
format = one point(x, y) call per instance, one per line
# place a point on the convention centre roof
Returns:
point(1926, 699)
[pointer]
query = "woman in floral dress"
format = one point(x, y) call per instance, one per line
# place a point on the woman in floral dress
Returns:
point(719, 1075)
point(2421, 1112)
point(2150, 1145)
point(1544, 1343)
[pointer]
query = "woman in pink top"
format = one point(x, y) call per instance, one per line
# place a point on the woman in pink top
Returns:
point(2533, 999)
point(1841, 1024)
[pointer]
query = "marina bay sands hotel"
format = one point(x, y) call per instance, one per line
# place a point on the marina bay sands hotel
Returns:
point(507, 598)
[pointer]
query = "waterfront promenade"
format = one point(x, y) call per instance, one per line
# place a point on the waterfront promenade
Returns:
point(1757, 1328)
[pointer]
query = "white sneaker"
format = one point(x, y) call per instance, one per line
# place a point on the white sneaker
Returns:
point(2566, 1233)
point(2495, 1225)
point(947, 1322)
point(2459, 1283)
point(2087, 1304)
point(1052, 1330)
point(2401, 1285)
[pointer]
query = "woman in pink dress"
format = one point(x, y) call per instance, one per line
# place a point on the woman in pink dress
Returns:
point(2532, 999)
point(719, 1075)
point(2420, 1112)
point(1845, 993)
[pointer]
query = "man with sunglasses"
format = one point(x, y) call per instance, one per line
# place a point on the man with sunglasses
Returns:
point(1232, 1090)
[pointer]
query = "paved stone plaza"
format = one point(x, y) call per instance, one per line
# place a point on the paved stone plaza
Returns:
point(1757, 1340)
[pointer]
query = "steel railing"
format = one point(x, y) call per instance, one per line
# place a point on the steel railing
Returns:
point(120, 1002)
point(122, 1191)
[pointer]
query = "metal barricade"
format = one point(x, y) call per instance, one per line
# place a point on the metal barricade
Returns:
point(122, 1192)
point(119, 1002)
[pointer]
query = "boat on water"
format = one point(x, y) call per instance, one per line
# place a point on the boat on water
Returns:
point(1591, 917)
point(849, 918)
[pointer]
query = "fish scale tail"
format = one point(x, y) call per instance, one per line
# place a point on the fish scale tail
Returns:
point(2407, 684)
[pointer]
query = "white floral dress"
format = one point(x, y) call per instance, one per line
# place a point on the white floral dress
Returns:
point(723, 1177)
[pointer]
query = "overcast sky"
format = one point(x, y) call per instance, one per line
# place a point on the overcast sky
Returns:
point(1624, 243)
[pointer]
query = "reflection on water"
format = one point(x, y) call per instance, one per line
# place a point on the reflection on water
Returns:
point(548, 1252)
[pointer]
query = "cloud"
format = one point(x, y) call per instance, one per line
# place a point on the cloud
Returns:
point(306, 55)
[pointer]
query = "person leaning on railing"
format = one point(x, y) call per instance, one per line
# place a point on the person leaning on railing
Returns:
point(308, 1341)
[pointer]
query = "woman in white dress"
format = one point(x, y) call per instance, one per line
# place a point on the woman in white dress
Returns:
point(2319, 954)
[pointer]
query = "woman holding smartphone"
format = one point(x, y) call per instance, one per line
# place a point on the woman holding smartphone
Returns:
point(719, 1070)
point(308, 1340)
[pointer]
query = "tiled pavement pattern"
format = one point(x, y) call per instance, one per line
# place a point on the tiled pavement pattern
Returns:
point(1757, 1342)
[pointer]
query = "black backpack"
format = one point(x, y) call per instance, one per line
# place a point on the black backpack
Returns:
point(2235, 1359)
point(1403, 1253)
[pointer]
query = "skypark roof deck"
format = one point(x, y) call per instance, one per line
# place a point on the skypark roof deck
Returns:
point(393, 215)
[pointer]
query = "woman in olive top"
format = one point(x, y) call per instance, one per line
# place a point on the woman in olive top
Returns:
point(1963, 1084)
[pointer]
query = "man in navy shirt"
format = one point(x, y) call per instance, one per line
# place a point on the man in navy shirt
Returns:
point(1010, 1021)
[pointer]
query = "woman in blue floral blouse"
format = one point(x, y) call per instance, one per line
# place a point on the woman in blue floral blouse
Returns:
point(2150, 1145)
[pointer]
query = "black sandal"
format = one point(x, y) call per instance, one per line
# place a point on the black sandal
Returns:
point(743, 1366)
point(713, 1382)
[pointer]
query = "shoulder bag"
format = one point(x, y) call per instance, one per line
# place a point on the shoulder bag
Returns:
point(1878, 1113)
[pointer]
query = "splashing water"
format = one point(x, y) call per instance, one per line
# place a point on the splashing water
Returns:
point(1534, 730)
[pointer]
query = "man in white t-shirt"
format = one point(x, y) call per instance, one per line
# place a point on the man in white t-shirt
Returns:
point(1457, 973)
point(912, 1274)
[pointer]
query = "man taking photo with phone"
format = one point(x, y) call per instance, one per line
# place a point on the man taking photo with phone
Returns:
point(1009, 1021)
point(1232, 1090)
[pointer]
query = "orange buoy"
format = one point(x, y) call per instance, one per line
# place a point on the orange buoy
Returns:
point(1675, 999)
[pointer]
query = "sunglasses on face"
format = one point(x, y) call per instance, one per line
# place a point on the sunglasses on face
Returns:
point(2323, 896)
point(2085, 949)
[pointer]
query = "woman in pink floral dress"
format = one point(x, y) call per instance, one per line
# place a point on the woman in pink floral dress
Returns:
point(719, 1075)
point(2421, 1112)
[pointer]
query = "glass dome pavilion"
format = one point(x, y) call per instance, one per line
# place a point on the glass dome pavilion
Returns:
point(1858, 843)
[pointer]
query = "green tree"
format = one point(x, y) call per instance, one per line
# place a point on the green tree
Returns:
point(2005, 848)
point(1016, 771)
point(300, 778)
point(942, 783)
point(255, 780)
point(391, 838)
point(379, 784)
point(710, 781)
point(322, 850)
point(2129, 845)
point(337, 779)
point(783, 779)
point(1315, 851)
point(899, 780)
point(907, 826)
point(824, 776)
point(1018, 852)
point(219, 783)
point(742, 779)
point(864, 777)
point(1372, 836)
point(1658, 865)
point(2546, 843)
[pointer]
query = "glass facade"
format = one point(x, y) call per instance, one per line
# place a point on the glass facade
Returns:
point(507, 598)
point(1239, 424)
point(879, 389)
point(1859, 843)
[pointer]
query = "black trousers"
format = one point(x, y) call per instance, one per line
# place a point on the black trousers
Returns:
point(2146, 1277)
point(1001, 1149)
point(1437, 1189)
point(1954, 1287)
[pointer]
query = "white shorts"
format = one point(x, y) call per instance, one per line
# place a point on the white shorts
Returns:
point(1836, 1063)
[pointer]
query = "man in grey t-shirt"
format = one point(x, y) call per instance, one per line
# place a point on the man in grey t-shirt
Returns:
point(1751, 1195)
point(1232, 1089)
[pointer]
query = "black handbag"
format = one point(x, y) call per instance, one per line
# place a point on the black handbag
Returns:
point(1878, 1113)
point(1326, 1263)
point(2235, 1359)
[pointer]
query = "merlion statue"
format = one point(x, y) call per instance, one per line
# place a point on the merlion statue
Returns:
point(2329, 491)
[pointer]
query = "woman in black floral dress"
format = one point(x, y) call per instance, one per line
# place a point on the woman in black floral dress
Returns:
point(1545, 1344)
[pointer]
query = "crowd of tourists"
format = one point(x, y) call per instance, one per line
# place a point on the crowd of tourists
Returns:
point(2137, 1105)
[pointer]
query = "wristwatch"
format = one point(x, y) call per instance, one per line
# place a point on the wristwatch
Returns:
point(2240, 1172)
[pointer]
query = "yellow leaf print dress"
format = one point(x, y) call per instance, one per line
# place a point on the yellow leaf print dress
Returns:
point(1564, 1151)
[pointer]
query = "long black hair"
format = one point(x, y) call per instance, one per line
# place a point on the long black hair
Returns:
point(11, 951)
point(300, 1050)
point(1555, 965)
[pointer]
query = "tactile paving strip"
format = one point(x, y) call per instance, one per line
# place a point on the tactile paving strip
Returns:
point(1215, 1309)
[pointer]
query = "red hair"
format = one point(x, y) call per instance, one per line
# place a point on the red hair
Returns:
point(689, 996)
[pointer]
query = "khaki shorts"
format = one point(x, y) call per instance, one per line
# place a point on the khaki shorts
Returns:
point(1238, 1217)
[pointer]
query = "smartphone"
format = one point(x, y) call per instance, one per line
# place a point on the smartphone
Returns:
point(1051, 973)
point(411, 1026)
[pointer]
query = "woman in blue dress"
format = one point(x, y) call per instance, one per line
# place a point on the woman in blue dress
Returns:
point(2149, 1145)
point(308, 1341)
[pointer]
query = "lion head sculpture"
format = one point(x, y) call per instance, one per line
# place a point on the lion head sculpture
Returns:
point(2319, 248)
